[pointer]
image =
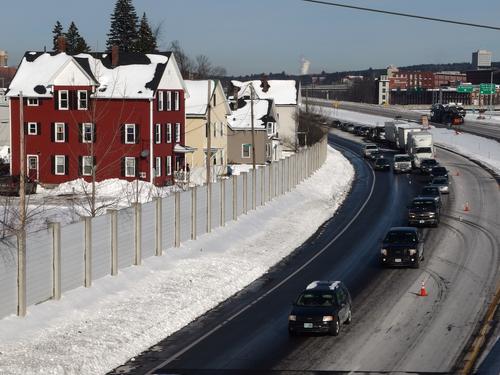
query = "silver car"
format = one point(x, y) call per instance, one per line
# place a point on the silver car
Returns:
point(442, 183)
point(369, 148)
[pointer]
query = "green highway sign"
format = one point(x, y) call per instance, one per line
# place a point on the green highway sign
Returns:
point(467, 89)
point(487, 88)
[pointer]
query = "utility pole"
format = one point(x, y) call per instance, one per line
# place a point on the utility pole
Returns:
point(209, 132)
point(21, 234)
point(252, 123)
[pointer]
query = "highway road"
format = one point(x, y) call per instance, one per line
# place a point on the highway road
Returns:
point(480, 128)
point(393, 328)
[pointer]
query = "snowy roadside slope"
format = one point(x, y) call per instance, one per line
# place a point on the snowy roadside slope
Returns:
point(92, 331)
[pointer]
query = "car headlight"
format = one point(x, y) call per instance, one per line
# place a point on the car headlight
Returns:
point(412, 251)
point(432, 214)
point(383, 252)
point(292, 318)
point(411, 214)
point(328, 318)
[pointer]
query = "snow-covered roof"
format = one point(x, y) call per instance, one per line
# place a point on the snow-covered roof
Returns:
point(242, 117)
point(136, 75)
point(197, 102)
point(284, 92)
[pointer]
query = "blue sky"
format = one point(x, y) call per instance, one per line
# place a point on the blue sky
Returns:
point(254, 36)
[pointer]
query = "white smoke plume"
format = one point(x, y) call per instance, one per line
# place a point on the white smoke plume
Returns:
point(304, 65)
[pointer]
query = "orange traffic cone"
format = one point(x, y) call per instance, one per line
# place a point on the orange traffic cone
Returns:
point(423, 291)
point(457, 173)
point(466, 207)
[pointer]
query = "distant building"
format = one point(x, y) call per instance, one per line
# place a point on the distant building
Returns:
point(383, 90)
point(3, 58)
point(481, 59)
point(452, 79)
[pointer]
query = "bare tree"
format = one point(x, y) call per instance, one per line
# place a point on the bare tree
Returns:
point(183, 60)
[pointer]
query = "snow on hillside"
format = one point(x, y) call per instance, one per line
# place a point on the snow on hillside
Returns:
point(93, 330)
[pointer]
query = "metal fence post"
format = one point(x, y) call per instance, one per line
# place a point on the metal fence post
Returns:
point(138, 234)
point(56, 260)
point(113, 214)
point(209, 208)
point(88, 252)
point(158, 226)
point(222, 203)
point(222, 200)
point(177, 241)
point(245, 192)
point(235, 197)
point(194, 193)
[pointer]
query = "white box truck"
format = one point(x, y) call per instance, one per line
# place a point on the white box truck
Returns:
point(420, 146)
point(391, 131)
point(403, 132)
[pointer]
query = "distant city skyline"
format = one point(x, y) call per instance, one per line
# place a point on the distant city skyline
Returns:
point(273, 36)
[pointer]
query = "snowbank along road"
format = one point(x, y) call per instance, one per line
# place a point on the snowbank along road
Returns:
point(393, 329)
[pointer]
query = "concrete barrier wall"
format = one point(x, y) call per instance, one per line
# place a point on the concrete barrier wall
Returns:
point(63, 258)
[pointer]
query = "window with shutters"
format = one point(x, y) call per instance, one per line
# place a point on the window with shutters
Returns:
point(157, 166)
point(177, 132)
point(32, 128)
point(87, 165)
point(32, 102)
point(83, 102)
point(160, 100)
point(130, 135)
point(60, 133)
point(169, 133)
point(176, 101)
point(157, 133)
point(60, 164)
point(87, 132)
point(169, 100)
point(129, 167)
point(63, 99)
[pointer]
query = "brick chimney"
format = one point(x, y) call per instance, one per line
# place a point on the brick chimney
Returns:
point(115, 56)
point(61, 43)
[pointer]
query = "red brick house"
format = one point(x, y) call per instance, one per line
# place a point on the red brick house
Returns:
point(121, 113)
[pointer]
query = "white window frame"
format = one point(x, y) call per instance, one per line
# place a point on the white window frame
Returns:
point(130, 126)
point(177, 132)
point(269, 128)
point(84, 125)
point(80, 99)
point(169, 100)
point(169, 166)
point(33, 102)
point(127, 159)
point(169, 133)
point(157, 133)
point(29, 128)
point(177, 103)
point(56, 158)
point(85, 163)
point(160, 100)
point(60, 99)
point(158, 166)
point(243, 150)
point(28, 158)
point(56, 125)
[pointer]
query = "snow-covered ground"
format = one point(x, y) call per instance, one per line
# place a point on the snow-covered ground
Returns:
point(483, 149)
point(91, 331)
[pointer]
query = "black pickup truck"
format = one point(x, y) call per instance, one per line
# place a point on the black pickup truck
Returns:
point(423, 211)
point(402, 246)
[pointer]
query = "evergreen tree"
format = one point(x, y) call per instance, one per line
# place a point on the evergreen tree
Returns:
point(146, 42)
point(56, 32)
point(74, 41)
point(123, 30)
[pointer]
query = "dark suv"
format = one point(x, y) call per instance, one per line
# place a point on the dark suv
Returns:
point(433, 192)
point(439, 172)
point(423, 211)
point(322, 308)
point(402, 246)
point(426, 165)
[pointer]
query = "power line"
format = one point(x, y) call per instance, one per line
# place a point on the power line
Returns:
point(404, 14)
